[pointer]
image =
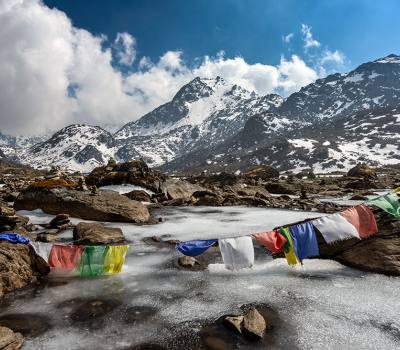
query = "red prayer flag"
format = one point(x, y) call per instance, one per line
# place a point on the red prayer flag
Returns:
point(271, 240)
point(362, 218)
point(65, 257)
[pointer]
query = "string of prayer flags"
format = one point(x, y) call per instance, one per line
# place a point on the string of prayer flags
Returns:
point(271, 240)
point(335, 228)
point(390, 203)
point(304, 240)
point(362, 218)
point(195, 248)
point(288, 248)
point(92, 261)
point(65, 257)
point(115, 258)
point(14, 238)
point(237, 253)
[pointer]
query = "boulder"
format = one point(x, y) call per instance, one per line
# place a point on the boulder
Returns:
point(279, 188)
point(187, 261)
point(254, 324)
point(362, 170)
point(262, 172)
point(19, 266)
point(138, 195)
point(10, 340)
point(102, 206)
point(177, 188)
point(234, 323)
point(135, 172)
point(95, 233)
point(379, 253)
point(60, 221)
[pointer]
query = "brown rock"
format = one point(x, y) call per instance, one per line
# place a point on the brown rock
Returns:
point(362, 170)
point(19, 265)
point(95, 233)
point(176, 188)
point(254, 325)
point(10, 340)
point(138, 195)
point(234, 323)
point(187, 261)
point(262, 172)
point(104, 206)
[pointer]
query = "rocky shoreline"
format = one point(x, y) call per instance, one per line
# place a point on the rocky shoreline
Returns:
point(73, 195)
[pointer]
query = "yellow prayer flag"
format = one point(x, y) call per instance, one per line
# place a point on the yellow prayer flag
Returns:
point(115, 258)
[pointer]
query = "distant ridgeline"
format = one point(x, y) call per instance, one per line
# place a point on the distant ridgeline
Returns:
point(331, 124)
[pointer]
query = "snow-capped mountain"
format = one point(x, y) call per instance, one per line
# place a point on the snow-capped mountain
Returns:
point(330, 124)
point(203, 113)
point(368, 136)
point(77, 147)
point(372, 85)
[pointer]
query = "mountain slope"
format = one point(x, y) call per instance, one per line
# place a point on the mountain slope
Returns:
point(76, 147)
point(203, 113)
point(372, 85)
point(368, 136)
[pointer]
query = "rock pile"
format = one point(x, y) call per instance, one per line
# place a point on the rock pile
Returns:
point(102, 206)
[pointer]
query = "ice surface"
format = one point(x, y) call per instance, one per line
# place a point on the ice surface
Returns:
point(121, 189)
point(323, 305)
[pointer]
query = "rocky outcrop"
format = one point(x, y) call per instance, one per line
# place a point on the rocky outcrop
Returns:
point(135, 172)
point(251, 325)
point(9, 220)
point(138, 195)
point(262, 172)
point(19, 266)
point(100, 206)
point(362, 170)
point(10, 340)
point(177, 188)
point(94, 233)
point(379, 253)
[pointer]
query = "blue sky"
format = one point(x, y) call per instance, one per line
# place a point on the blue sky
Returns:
point(109, 62)
point(361, 29)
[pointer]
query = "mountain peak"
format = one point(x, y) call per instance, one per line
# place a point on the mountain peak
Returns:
point(392, 58)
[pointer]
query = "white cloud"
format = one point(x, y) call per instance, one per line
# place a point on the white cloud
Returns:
point(287, 38)
point(54, 74)
point(336, 57)
point(308, 39)
point(125, 46)
point(294, 74)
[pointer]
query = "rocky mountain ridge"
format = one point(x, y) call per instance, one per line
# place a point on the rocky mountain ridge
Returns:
point(212, 125)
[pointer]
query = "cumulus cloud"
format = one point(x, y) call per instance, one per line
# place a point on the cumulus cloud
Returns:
point(308, 39)
point(287, 38)
point(336, 57)
point(295, 74)
point(54, 74)
point(125, 44)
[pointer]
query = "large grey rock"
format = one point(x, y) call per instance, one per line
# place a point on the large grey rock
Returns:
point(19, 266)
point(254, 324)
point(177, 188)
point(95, 233)
point(10, 340)
point(101, 206)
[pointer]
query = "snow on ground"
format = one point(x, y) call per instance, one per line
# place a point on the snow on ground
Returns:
point(323, 305)
point(121, 189)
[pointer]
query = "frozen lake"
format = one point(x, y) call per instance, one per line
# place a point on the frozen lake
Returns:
point(154, 304)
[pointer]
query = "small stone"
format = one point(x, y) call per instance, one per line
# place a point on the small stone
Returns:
point(187, 261)
point(254, 325)
point(10, 340)
point(234, 322)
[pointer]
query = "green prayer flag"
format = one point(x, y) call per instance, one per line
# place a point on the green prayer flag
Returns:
point(92, 261)
point(389, 203)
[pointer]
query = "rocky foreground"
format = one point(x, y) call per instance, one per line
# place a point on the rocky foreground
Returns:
point(73, 195)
